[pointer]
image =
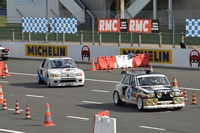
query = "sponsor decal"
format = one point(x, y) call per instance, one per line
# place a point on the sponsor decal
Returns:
point(156, 56)
point(85, 53)
point(45, 50)
point(194, 58)
point(128, 93)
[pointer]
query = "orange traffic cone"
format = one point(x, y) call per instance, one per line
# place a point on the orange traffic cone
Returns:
point(3, 74)
point(123, 70)
point(109, 69)
point(92, 65)
point(1, 95)
point(17, 111)
point(151, 68)
point(174, 82)
point(28, 115)
point(47, 119)
point(6, 69)
point(194, 101)
point(185, 95)
point(4, 107)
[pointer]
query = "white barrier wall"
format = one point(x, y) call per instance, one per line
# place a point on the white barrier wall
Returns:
point(159, 56)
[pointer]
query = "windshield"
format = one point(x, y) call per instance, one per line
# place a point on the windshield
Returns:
point(62, 63)
point(152, 80)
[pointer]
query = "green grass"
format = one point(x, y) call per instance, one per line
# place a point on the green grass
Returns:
point(3, 21)
point(6, 34)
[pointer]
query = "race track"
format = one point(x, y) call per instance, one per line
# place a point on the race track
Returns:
point(73, 108)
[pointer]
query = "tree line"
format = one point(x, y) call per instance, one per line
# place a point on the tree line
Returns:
point(2, 3)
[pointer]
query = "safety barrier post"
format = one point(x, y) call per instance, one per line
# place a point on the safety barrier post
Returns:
point(160, 43)
point(63, 38)
point(139, 40)
point(13, 35)
point(81, 37)
point(100, 39)
point(182, 37)
point(119, 39)
point(29, 37)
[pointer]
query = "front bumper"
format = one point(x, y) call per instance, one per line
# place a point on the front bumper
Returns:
point(164, 106)
point(67, 82)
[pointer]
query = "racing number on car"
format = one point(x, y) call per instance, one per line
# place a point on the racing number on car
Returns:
point(128, 93)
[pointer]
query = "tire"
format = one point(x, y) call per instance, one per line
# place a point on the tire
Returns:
point(177, 108)
point(140, 103)
point(117, 100)
point(4, 58)
point(39, 79)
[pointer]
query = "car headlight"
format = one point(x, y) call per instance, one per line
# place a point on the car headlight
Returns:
point(172, 94)
point(159, 95)
point(79, 74)
point(55, 75)
point(149, 101)
point(179, 100)
point(154, 102)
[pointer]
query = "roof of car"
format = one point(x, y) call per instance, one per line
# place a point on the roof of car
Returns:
point(53, 58)
point(143, 72)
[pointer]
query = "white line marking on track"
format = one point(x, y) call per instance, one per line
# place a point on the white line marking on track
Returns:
point(81, 118)
point(100, 91)
point(10, 131)
point(4, 81)
point(153, 128)
point(35, 96)
point(26, 74)
point(102, 80)
point(92, 102)
point(14, 109)
point(166, 112)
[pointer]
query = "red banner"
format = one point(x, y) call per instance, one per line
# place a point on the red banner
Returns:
point(108, 25)
point(139, 25)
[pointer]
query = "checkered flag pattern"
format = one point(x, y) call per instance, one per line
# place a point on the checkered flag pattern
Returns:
point(34, 25)
point(63, 25)
point(192, 28)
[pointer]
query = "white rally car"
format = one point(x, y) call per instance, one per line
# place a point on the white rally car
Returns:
point(4, 53)
point(61, 71)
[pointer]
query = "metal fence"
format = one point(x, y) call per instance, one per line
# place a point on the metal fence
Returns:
point(88, 34)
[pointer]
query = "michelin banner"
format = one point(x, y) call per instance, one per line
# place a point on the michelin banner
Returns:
point(173, 57)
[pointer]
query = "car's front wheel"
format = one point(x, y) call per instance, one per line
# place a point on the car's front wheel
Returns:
point(4, 58)
point(117, 100)
point(39, 79)
point(140, 103)
point(48, 83)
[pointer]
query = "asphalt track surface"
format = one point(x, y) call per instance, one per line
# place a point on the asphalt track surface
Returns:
point(73, 108)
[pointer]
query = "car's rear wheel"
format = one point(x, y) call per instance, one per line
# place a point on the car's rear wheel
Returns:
point(117, 100)
point(140, 103)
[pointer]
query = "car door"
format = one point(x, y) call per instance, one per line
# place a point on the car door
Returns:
point(43, 69)
point(134, 89)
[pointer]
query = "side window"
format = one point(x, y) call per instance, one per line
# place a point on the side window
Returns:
point(46, 64)
point(132, 81)
point(126, 80)
point(43, 63)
